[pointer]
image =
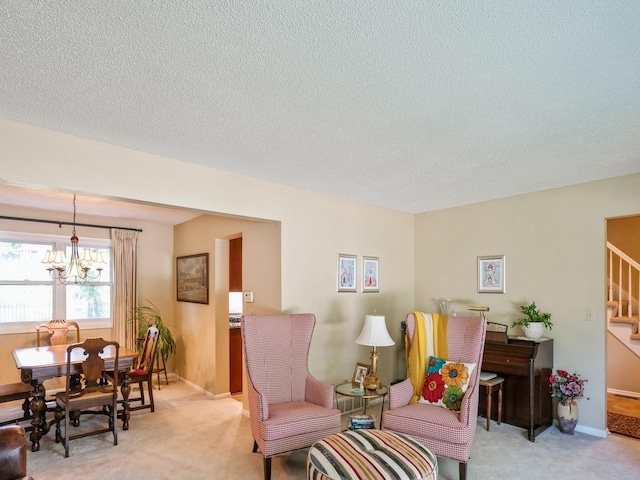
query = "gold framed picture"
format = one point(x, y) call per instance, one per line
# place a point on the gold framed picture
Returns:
point(361, 371)
point(192, 278)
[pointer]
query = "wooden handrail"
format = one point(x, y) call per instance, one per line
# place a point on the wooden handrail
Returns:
point(623, 255)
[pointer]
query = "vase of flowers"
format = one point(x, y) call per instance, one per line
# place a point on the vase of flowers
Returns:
point(567, 388)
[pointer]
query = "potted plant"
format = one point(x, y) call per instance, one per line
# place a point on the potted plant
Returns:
point(144, 317)
point(533, 323)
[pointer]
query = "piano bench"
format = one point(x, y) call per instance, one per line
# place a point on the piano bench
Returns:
point(490, 386)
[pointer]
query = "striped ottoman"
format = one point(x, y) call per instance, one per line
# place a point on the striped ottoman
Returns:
point(370, 454)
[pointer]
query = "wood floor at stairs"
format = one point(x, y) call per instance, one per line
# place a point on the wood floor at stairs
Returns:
point(632, 319)
point(623, 415)
point(623, 405)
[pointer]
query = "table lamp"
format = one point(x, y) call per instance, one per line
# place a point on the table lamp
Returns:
point(374, 334)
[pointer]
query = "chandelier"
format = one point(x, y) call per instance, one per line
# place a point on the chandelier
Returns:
point(79, 269)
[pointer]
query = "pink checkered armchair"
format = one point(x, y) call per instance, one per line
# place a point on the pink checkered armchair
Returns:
point(445, 432)
point(289, 408)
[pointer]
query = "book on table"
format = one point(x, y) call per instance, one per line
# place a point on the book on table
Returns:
point(487, 375)
point(361, 421)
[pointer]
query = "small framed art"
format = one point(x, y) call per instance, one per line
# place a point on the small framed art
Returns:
point(491, 274)
point(361, 371)
point(192, 278)
point(370, 274)
point(347, 270)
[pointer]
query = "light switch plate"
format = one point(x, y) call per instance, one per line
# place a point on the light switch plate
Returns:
point(248, 297)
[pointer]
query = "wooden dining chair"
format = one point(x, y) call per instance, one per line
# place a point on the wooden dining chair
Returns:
point(144, 369)
point(58, 331)
point(96, 394)
point(58, 334)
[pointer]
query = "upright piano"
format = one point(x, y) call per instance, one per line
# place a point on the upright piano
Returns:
point(525, 366)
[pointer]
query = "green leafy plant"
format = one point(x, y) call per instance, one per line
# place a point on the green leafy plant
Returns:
point(144, 317)
point(533, 315)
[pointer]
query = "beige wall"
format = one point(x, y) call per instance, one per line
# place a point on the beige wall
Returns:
point(624, 234)
point(554, 242)
point(314, 229)
point(203, 356)
point(620, 363)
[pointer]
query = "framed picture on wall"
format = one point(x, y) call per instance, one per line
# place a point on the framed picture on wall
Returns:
point(192, 278)
point(370, 274)
point(347, 270)
point(491, 274)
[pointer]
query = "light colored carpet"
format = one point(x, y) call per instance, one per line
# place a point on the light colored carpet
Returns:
point(191, 436)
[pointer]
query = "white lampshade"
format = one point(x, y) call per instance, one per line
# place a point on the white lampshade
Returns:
point(374, 332)
point(54, 257)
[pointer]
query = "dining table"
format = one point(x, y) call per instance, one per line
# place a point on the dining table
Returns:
point(37, 364)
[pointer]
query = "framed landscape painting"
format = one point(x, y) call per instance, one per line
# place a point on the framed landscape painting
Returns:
point(192, 278)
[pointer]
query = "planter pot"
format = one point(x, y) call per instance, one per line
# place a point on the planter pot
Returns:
point(534, 330)
point(567, 416)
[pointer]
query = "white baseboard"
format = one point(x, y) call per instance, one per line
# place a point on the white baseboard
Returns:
point(595, 432)
point(624, 393)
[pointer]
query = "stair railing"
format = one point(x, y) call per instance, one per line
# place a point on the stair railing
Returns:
point(633, 271)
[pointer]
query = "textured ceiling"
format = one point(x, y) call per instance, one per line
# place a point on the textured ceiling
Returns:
point(412, 105)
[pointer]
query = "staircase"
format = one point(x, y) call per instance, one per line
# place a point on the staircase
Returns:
point(623, 294)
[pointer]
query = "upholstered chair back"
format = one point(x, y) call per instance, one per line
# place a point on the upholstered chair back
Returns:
point(465, 338)
point(276, 351)
point(289, 408)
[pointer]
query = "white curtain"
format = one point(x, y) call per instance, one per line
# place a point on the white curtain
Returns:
point(125, 267)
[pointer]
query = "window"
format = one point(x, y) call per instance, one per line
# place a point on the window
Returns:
point(29, 296)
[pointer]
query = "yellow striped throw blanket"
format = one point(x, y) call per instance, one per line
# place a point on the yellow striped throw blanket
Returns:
point(429, 339)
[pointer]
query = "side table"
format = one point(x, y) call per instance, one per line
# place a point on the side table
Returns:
point(352, 390)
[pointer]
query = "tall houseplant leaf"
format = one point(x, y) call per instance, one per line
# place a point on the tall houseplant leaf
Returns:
point(144, 317)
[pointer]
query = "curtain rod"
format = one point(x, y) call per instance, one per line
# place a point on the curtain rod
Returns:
point(59, 223)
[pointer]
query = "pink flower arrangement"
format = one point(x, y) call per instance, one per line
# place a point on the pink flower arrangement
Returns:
point(567, 387)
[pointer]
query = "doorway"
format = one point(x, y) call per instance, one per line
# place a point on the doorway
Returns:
point(623, 390)
point(235, 313)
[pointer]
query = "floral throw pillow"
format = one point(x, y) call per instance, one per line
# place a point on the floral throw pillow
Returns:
point(446, 383)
